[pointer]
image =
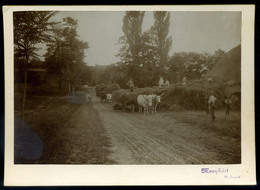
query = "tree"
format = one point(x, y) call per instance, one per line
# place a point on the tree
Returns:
point(53, 56)
point(65, 54)
point(84, 74)
point(176, 63)
point(30, 29)
point(130, 52)
point(163, 43)
point(149, 59)
point(193, 65)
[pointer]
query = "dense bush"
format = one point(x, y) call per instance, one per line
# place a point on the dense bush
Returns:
point(102, 89)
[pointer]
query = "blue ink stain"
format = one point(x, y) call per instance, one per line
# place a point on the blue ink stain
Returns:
point(28, 144)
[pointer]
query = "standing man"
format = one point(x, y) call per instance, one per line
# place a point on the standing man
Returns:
point(227, 105)
point(211, 102)
point(131, 85)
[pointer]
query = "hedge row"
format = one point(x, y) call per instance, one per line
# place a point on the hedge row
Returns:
point(102, 89)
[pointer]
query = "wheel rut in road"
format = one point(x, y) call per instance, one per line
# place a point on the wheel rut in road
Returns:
point(135, 139)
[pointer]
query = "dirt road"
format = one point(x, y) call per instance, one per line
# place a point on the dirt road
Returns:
point(162, 139)
point(73, 132)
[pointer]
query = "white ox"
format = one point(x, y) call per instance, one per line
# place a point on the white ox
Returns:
point(144, 101)
point(109, 97)
point(156, 99)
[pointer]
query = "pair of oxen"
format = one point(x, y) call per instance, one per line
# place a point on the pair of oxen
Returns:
point(148, 103)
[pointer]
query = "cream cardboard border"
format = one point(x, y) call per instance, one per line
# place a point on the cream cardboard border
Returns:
point(52, 175)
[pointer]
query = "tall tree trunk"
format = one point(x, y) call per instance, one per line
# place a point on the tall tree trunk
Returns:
point(24, 94)
point(25, 87)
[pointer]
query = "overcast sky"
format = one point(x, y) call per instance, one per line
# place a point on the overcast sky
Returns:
point(190, 31)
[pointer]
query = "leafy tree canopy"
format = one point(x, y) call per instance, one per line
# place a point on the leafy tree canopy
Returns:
point(31, 28)
point(65, 54)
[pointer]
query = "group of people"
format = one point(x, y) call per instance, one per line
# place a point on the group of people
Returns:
point(161, 84)
point(211, 105)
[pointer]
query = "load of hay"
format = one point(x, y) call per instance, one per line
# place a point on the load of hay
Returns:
point(102, 90)
point(125, 99)
point(177, 97)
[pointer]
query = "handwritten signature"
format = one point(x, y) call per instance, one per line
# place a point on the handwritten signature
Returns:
point(231, 177)
point(219, 171)
point(213, 171)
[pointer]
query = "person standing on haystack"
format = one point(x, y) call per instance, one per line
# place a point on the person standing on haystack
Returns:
point(184, 80)
point(160, 83)
point(167, 84)
point(211, 102)
point(131, 85)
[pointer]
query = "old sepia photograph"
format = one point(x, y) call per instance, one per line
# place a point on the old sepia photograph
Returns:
point(127, 87)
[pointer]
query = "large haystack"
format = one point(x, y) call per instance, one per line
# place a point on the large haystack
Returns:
point(228, 68)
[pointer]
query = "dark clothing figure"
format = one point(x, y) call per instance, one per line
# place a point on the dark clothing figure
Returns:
point(131, 85)
point(212, 111)
point(227, 105)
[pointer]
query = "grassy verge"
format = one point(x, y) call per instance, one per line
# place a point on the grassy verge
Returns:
point(223, 125)
point(55, 133)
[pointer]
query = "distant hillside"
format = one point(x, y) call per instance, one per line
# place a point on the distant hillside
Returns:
point(228, 68)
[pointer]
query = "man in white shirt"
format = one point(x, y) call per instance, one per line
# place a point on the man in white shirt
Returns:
point(211, 102)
